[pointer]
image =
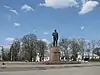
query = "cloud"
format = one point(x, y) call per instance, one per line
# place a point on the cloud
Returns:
point(16, 24)
point(45, 40)
point(87, 41)
point(8, 7)
point(27, 8)
point(46, 33)
point(11, 9)
point(82, 27)
point(59, 3)
point(9, 39)
point(85, 5)
point(88, 6)
point(14, 11)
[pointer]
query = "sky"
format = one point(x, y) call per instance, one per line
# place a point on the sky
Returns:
point(71, 18)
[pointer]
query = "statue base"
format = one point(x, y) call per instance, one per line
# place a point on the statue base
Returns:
point(54, 55)
point(55, 58)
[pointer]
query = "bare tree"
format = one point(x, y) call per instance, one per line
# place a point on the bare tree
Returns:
point(97, 51)
point(29, 46)
point(98, 43)
point(14, 50)
point(89, 49)
point(93, 44)
point(82, 45)
point(41, 49)
point(64, 44)
point(75, 47)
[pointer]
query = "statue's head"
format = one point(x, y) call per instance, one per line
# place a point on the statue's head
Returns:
point(55, 30)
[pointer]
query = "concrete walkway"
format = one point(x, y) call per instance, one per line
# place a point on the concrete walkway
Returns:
point(66, 71)
point(27, 66)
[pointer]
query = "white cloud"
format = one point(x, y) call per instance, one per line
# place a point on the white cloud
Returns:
point(14, 11)
point(87, 41)
point(16, 24)
point(82, 27)
point(11, 9)
point(85, 5)
point(9, 39)
point(45, 40)
point(8, 7)
point(46, 33)
point(88, 6)
point(27, 8)
point(59, 3)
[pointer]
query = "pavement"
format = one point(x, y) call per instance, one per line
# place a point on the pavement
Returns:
point(66, 71)
point(22, 66)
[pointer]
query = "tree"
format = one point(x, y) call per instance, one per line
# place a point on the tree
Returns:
point(72, 46)
point(98, 43)
point(2, 51)
point(14, 50)
point(6, 54)
point(93, 43)
point(82, 45)
point(89, 49)
point(64, 44)
point(97, 51)
point(75, 47)
point(42, 47)
point(29, 46)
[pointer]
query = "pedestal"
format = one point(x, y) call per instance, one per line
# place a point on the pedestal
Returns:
point(54, 55)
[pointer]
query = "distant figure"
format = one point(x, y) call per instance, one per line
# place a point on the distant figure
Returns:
point(55, 38)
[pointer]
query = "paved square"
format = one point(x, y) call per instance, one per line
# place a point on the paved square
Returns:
point(67, 71)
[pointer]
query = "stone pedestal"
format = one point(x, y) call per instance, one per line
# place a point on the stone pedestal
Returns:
point(54, 55)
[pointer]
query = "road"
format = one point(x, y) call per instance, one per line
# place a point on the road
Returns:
point(68, 71)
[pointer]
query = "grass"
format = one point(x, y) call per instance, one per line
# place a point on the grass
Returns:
point(94, 60)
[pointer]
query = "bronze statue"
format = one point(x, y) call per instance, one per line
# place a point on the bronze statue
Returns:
point(55, 38)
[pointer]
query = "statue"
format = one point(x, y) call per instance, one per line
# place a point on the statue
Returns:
point(55, 38)
point(54, 51)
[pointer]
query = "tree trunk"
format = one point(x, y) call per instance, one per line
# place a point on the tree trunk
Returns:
point(40, 58)
point(30, 59)
point(43, 57)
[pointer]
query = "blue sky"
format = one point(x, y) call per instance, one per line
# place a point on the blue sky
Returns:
point(71, 18)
